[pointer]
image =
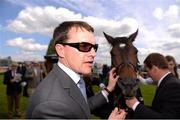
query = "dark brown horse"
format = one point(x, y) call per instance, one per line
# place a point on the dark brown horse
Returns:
point(124, 58)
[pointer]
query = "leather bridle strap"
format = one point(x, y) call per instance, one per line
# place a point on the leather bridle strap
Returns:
point(120, 66)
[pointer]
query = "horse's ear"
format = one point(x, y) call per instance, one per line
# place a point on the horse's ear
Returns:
point(133, 36)
point(109, 38)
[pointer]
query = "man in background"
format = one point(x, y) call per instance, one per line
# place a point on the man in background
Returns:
point(12, 80)
point(166, 102)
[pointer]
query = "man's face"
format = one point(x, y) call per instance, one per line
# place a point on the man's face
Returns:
point(13, 67)
point(80, 62)
point(171, 66)
point(150, 72)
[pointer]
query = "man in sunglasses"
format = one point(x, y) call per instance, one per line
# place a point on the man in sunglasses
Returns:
point(60, 94)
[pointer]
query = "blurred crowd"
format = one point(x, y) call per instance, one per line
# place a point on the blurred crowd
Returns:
point(21, 78)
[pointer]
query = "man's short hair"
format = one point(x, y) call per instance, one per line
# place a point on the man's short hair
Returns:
point(156, 59)
point(14, 64)
point(61, 32)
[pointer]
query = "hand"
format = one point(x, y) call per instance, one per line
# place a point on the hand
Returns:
point(112, 80)
point(13, 80)
point(117, 114)
point(131, 102)
point(17, 78)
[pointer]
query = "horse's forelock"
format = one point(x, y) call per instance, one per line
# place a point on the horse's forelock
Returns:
point(119, 40)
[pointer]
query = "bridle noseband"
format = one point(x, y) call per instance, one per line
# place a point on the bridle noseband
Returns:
point(127, 63)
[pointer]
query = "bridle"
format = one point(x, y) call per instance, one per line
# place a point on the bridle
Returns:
point(118, 69)
point(127, 63)
point(121, 53)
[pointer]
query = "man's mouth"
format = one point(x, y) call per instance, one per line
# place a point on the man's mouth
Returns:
point(90, 62)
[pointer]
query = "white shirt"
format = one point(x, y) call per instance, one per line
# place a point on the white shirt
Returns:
point(75, 76)
point(145, 81)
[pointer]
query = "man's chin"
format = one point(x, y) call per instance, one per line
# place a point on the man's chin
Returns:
point(86, 72)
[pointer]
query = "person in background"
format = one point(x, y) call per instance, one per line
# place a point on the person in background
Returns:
point(166, 102)
point(35, 77)
point(172, 65)
point(62, 93)
point(22, 69)
point(105, 71)
point(29, 77)
point(43, 70)
point(145, 80)
point(12, 80)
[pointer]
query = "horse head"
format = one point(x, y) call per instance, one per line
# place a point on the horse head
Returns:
point(124, 58)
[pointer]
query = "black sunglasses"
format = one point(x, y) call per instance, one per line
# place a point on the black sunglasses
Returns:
point(81, 46)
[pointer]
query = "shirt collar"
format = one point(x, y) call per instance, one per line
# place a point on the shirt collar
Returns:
point(73, 75)
point(163, 78)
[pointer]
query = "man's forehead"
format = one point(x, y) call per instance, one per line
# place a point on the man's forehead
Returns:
point(80, 35)
point(77, 29)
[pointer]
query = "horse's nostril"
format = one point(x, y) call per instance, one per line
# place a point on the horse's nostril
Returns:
point(128, 86)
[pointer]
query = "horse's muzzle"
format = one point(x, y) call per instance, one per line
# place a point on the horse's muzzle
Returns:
point(128, 87)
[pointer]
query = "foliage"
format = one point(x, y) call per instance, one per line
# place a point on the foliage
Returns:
point(51, 49)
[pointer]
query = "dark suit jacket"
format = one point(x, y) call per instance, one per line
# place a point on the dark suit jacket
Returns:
point(12, 88)
point(166, 102)
point(57, 96)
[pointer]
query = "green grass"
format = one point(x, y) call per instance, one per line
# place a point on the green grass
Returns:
point(147, 92)
point(2, 99)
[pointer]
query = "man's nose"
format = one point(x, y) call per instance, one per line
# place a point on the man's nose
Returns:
point(93, 52)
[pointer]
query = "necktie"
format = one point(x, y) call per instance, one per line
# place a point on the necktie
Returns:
point(81, 85)
point(13, 73)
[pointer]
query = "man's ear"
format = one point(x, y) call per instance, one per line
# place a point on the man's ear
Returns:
point(155, 68)
point(59, 50)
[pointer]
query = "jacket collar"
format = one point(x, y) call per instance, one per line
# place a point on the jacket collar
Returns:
point(72, 89)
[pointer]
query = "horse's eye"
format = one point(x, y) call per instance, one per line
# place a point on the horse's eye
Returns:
point(111, 53)
point(122, 45)
point(136, 51)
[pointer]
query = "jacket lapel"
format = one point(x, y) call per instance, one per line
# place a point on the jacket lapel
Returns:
point(76, 95)
point(73, 90)
point(160, 89)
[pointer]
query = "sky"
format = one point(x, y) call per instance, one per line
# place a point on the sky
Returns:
point(26, 26)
